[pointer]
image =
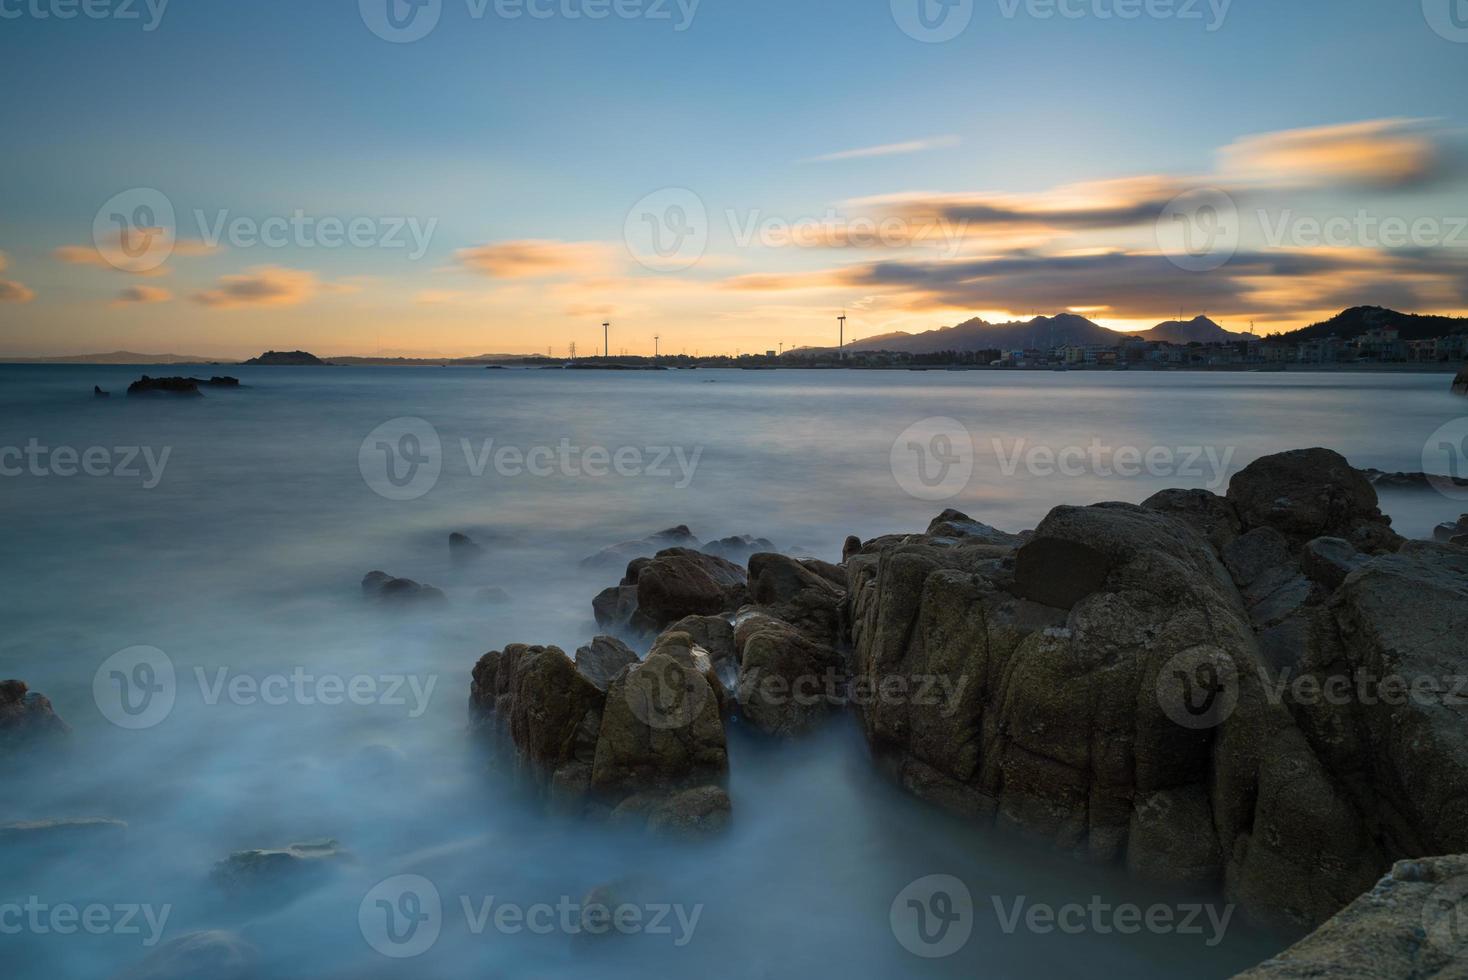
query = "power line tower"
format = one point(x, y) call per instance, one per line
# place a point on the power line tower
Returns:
point(841, 336)
point(573, 350)
point(606, 339)
point(655, 340)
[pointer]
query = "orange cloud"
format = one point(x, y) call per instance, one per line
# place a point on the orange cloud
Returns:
point(14, 292)
point(265, 285)
point(536, 259)
point(142, 294)
point(157, 246)
point(1387, 152)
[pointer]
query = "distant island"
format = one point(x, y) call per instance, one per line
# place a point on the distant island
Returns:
point(295, 358)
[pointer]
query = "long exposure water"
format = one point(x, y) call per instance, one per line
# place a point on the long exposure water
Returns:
point(234, 540)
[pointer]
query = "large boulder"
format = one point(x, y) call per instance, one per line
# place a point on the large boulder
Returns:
point(807, 593)
point(550, 711)
point(677, 582)
point(788, 681)
point(27, 718)
point(1312, 493)
point(1411, 924)
point(661, 729)
point(1210, 515)
point(1101, 690)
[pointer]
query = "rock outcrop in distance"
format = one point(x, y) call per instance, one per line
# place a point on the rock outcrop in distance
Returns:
point(295, 358)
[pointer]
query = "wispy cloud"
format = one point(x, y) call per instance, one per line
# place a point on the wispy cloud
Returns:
point(142, 294)
point(1381, 152)
point(266, 285)
point(10, 290)
point(112, 254)
point(537, 259)
point(887, 150)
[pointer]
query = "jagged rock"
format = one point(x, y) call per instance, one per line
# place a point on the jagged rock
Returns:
point(1209, 514)
point(654, 731)
point(388, 590)
point(215, 954)
point(602, 659)
point(788, 681)
point(1327, 561)
point(1104, 693)
point(1409, 925)
point(27, 718)
point(463, 549)
point(1312, 493)
point(661, 729)
point(619, 555)
point(850, 548)
point(665, 588)
point(146, 386)
point(550, 711)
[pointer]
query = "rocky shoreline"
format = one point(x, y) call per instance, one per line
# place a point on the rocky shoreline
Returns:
point(1251, 693)
point(1258, 695)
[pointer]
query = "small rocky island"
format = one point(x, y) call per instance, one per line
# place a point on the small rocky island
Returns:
point(295, 358)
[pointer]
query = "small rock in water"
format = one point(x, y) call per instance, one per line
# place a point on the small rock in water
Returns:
point(389, 590)
point(27, 717)
point(145, 385)
point(97, 392)
point(276, 877)
point(463, 549)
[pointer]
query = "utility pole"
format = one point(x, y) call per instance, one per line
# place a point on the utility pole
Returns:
point(606, 339)
point(841, 346)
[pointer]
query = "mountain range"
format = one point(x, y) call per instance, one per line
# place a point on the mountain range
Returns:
point(1042, 332)
point(1359, 319)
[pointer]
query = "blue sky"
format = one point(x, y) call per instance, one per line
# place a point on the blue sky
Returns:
point(505, 131)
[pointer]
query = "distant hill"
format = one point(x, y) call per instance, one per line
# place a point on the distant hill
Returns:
point(1359, 319)
point(1042, 332)
point(1199, 330)
point(295, 358)
point(118, 357)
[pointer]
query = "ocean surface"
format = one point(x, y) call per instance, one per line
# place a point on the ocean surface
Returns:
point(225, 537)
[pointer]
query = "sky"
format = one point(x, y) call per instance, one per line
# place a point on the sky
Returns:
point(459, 177)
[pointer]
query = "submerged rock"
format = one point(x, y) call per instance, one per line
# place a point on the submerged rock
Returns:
point(278, 876)
point(144, 386)
point(63, 834)
point(388, 590)
point(214, 954)
point(27, 718)
point(463, 549)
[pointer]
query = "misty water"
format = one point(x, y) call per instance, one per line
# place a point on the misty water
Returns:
point(244, 561)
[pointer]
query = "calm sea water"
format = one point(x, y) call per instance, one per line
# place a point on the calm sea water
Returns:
point(238, 557)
